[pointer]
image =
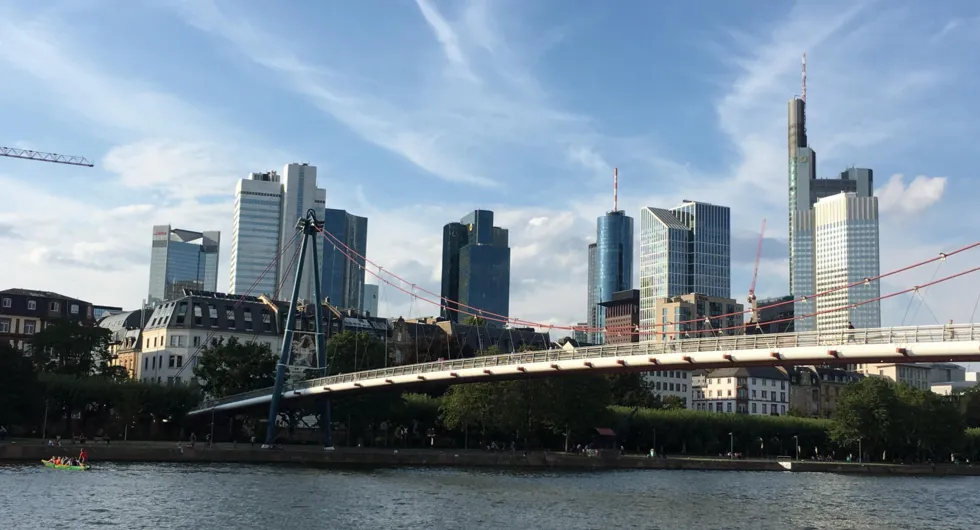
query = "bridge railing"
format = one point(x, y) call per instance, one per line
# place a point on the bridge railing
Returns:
point(725, 343)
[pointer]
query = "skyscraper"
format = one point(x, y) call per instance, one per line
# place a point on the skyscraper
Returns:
point(267, 208)
point(684, 250)
point(614, 261)
point(300, 194)
point(846, 252)
point(255, 235)
point(475, 267)
point(182, 259)
point(370, 299)
point(805, 189)
point(342, 278)
point(592, 298)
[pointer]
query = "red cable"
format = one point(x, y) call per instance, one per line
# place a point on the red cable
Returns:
point(512, 320)
point(743, 326)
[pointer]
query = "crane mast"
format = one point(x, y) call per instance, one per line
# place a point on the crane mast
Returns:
point(755, 275)
point(54, 158)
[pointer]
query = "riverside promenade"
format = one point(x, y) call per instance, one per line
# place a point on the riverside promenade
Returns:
point(25, 450)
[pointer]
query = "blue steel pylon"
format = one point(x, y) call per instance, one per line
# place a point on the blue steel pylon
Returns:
point(310, 228)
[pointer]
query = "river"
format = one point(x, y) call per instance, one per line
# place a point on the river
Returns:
point(155, 496)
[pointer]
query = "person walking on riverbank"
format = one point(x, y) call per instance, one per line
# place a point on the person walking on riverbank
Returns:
point(3, 433)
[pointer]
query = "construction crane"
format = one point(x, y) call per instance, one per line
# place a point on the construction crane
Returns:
point(753, 303)
point(54, 158)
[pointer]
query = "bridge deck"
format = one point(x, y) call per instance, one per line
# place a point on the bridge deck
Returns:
point(905, 344)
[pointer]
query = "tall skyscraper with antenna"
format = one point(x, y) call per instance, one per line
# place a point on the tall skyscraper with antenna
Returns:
point(805, 189)
point(613, 266)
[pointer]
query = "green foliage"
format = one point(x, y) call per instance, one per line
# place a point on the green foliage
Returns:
point(19, 387)
point(474, 321)
point(970, 403)
point(227, 368)
point(351, 351)
point(67, 347)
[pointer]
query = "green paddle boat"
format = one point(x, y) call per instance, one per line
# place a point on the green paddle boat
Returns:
point(82, 467)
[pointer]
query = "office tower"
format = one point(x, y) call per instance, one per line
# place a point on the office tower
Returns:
point(182, 259)
point(255, 236)
point(370, 300)
point(684, 250)
point(342, 270)
point(805, 189)
point(846, 252)
point(475, 267)
point(300, 195)
point(613, 262)
point(592, 297)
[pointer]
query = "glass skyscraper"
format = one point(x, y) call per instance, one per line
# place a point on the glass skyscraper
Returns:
point(475, 267)
point(846, 252)
point(255, 235)
point(613, 264)
point(592, 297)
point(342, 280)
point(683, 250)
point(805, 189)
point(182, 259)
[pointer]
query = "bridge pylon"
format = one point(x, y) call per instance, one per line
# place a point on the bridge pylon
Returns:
point(310, 228)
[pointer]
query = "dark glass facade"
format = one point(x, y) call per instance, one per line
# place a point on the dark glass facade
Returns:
point(592, 302)
point(342, 279)
point(475, 267)
point(613, 260)
point(182, 259)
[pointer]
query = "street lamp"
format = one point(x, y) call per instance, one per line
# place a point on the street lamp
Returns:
point(731, 446)
point(796, 441)
point(860, 452)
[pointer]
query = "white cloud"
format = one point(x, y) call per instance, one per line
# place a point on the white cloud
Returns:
point(920, 194)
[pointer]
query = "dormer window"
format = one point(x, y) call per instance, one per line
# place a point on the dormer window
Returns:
point(31, 305)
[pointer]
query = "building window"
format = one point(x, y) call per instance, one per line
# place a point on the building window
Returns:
point(54, 306)
point(146, 362)
point(7, 302)
point(4, 325)
point(753, 408)
point(180, 362)
point(172, 361)
point(197, 340)
point(31, 305)
point(74, 309)
point(29, 327)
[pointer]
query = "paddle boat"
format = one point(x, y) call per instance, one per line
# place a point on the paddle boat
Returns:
point(75, 465)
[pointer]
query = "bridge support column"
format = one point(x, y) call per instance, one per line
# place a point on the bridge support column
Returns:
point(326, 424)
point(308, 226)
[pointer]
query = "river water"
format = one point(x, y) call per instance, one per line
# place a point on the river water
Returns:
point(195, 497)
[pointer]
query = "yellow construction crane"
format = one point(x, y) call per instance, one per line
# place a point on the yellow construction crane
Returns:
point(54, 158)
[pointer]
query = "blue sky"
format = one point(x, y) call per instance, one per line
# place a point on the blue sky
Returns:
point(416, 112)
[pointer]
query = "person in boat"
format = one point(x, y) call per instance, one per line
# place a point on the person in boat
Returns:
point(82, 456)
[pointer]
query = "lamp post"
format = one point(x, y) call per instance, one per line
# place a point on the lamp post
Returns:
point(796, 442)
point(731, 446)
point(860, 452)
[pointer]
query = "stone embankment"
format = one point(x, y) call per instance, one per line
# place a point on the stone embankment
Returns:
point(155, 452)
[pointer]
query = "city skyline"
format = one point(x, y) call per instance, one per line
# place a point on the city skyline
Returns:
point(164, 152)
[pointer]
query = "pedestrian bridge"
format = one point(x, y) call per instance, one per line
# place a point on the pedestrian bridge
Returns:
point(960, 342)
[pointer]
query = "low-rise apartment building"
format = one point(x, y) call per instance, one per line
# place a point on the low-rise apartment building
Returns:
point(815, 390)
point(913, 375)
point(24, 312)
point(757, 390)
point(676, 383)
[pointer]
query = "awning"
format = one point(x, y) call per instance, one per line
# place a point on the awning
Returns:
point(604, 431)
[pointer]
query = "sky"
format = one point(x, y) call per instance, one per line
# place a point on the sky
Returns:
point(418, 111)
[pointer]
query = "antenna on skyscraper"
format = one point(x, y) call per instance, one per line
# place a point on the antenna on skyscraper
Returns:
point(804, 77)
point(615, 189)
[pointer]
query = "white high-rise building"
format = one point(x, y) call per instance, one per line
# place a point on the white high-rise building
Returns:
point(300, 194)
point(846, 252)
point(267, 207)
point(255, 234)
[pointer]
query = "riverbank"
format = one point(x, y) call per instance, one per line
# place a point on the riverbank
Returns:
point(158, 452)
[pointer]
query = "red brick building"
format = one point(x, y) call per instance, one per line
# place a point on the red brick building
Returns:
point(622, 317)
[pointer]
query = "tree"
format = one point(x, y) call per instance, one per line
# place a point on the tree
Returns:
point(970, 403)
point(575, 404)
point(632, 390)
point(869, 412)
point(353, 351)
point(19, 387)
point(474, 321)
point(70, 348)
point(672, 403)
point(232, 367)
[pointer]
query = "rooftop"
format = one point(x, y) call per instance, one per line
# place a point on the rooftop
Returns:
point(38, 294)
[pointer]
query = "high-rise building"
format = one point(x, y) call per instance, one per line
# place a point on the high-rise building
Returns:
point(684, 250)
point(475, 267)
point(846, 252)
point(182, 259)
point(300, 194)
point(592, 296)
point(613, 262)
point(255, 236)
point(342, 270)
point(370, 300)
